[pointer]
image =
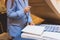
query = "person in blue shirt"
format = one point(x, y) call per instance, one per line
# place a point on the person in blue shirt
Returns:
point(18, 16)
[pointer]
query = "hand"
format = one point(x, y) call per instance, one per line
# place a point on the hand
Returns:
point(27, 9)
point(31, 23)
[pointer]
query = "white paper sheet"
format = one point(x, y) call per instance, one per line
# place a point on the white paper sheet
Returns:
point(35, 37)
point(30, 36)
point(52, 35)
point(35, 30)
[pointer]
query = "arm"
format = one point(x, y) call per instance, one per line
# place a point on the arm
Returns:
point(29, 18)
point(30, 22)
point(13, 12)
point(10, 11)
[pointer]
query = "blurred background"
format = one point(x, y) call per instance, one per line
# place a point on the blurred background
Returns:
point(42, 12)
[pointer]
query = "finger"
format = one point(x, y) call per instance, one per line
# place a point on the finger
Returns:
point(28, 6)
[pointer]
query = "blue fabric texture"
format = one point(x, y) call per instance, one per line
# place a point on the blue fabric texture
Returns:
point(16, 15)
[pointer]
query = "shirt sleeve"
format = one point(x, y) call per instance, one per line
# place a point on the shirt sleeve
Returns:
point(29, 18)
point(12, 12)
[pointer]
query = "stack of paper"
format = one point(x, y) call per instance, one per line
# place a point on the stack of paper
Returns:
point(26, 36)
point(35, 30)
point(52, 35)
point(38, 33)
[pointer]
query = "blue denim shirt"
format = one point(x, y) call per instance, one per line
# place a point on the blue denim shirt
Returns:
point(16, 15)
point(17, 11)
